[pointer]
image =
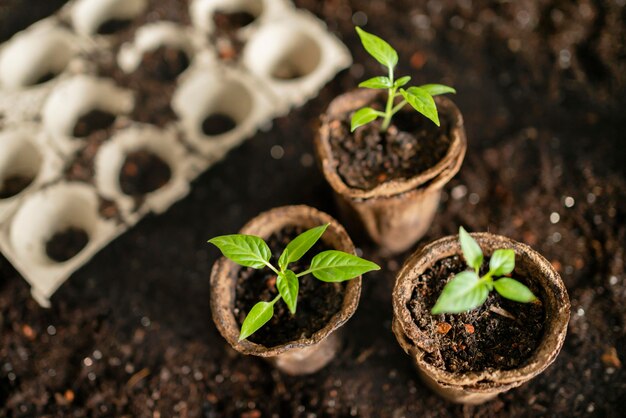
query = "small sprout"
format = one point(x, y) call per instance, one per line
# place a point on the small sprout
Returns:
point(467, 290)
point(327, 266)
point(420, 98)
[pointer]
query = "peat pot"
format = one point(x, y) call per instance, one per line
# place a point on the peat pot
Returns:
point(397, 212)
point(310, 350)
point(478, 386)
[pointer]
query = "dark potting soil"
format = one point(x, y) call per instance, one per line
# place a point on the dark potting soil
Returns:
point(45, 77)
point(230, 22)
point(367, 158)
point(500, 334)
point(66, 244)
point(165, 63)
point(545, 135)
point(112, 26)
point(217, 124)
point(317, 301)
point(13, 185)
point(92, 121)
point(143, 172)
point(286, 71)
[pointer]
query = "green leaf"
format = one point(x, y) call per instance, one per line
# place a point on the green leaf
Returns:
point(421, 101)
point(256, 318)
point(502, 262)
point(402, 81)
point(376, 83)
point(337, 266)
point(437, 89)
point(288, 286)
point(379, 49)
point(246, 250)
point(514, 290)
point(463, 293)
point(363, 116)
point(300, 245)
point(471, 250)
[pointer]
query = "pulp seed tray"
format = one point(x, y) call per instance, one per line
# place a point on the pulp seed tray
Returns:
point(110, 108)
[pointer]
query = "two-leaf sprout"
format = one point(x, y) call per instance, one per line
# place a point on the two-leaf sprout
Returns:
point(327, 266)
point(420, 98)
point(467, 290)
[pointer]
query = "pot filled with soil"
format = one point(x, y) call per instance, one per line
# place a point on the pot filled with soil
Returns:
point(387, 152)
point(297, 342)
point(389, 183)
point(474, 354)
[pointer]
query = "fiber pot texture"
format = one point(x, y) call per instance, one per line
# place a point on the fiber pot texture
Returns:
point(305, 355)
point(396, 213)
point(479, 387)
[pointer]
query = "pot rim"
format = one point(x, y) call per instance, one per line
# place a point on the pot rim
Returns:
point(556, 303)
point(223, 279)
point(435, 176)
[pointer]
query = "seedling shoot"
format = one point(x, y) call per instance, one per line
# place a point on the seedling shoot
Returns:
point(467, 290)
point(327, 266)
point(419, 97)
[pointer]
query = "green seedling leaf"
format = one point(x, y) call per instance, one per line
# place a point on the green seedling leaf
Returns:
point(378, 48)
point(288, 286)
point(471, 250)
point(463, 293)
point(376, 83)
point(337, 266)
point(402, 81)
point(258, 316)
point(502, 262)
point(362, 117)
point(421, 101)
point(300, 245)
point(437, 89)
point(514, 290)
point(246, 250)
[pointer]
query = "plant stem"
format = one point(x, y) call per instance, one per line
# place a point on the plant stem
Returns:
point(275, 299)
point(304, 273)
point(389, 107)
point(271, 267)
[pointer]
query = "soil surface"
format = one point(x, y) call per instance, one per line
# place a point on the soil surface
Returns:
point(368, 157)
point(13, 185)
point(66, 244)
point(217, 124)
point(143, 172)
point(317, 301)
point(500, 334)
point(231, 22)
point(165, 63)
point(92, 121)
point(541, 85)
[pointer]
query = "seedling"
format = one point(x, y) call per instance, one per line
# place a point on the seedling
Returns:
point(419, 97)
point(327, 266)
point(468, 290)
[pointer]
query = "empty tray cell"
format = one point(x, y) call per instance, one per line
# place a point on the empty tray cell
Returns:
point(232, 15)
point(24, 164)
point(80, 106)
point(105, 17)
point(164, 50)
point(55, 230)
point(294, 56)
point(218, 108)
point(142, 168)
point(36, 55)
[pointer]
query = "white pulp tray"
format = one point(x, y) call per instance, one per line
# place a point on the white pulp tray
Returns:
point(75, 62)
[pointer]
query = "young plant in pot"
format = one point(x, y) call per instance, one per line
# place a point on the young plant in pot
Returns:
point(479, 315)
point(386, 162)
point(286, 283)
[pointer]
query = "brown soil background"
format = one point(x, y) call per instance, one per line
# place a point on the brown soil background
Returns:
point(541, 86)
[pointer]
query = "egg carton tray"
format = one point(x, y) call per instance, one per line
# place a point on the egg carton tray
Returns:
point(110, 108)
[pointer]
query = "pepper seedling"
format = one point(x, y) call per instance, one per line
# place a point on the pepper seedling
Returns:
point(467, 290)
point(253, 251)
point(419, 97)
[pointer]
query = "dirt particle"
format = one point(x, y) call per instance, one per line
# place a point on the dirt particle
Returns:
point(469, 328)
point(443, 328)
point(610, 359)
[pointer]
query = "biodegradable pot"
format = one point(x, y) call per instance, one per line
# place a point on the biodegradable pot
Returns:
point(305, 355)
point(480, 386)
point(396, 213)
